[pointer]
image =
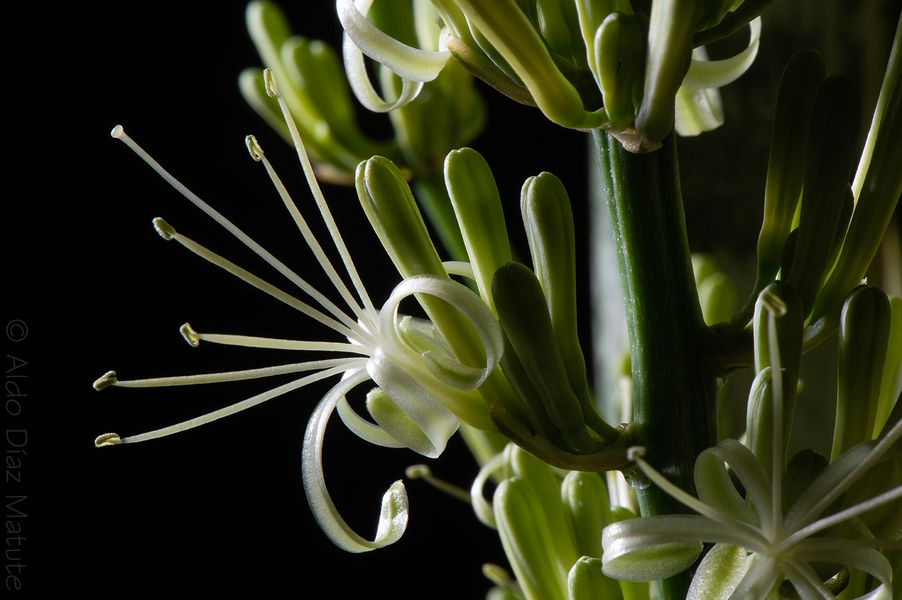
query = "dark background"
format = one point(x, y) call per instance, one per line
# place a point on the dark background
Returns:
point(221, 510)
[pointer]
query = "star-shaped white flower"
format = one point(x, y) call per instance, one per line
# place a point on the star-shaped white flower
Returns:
point(422, 389)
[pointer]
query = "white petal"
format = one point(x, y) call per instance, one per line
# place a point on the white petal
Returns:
point(394, 513)
point(363, 90)
point(718, 73)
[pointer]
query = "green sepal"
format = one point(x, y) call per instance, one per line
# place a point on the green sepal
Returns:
point(527, 540)
point(586, 582)
point(585, 497)
point(863, 338)
point(480, 217)
point(760, 416)
point(832, 140)
point(789, 327)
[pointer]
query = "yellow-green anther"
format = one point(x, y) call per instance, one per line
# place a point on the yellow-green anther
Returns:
point(586, 581)
point(671, 27)
point(877, 188)
point(477, 206)
point(509, 31)
point(548, 221)
point(786, 165)
point(789, 324)
point(524, 317)
point(832, 139)
point(863, 337)
point(253, 90)
point(547, 486)
point(891, 386)
point(392, 212)
point(585, 498)
point(719, 573)
point(619, 50)
point(527, 541)
point(760, 416)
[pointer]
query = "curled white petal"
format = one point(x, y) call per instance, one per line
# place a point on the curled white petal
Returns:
point(407, 62)
point(433, 420)
point(413, 65)
point(394, 513)
point(484, 510)
point(470, 306)
point(868, 560)
point(698, 104)
point(363, 90)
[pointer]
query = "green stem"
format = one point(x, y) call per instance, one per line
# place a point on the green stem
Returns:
point(433, 199)
point(674, 388)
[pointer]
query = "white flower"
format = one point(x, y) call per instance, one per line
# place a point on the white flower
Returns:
point(758, 546)
point(411, 404)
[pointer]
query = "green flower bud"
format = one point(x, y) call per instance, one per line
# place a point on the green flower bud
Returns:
point(547, 486)
point(863, 337)
point(877, 188)
point(509, 31)
point(477, 206)
point(760, 414)
point(527, 540)
point(786, 165)
point(587, 582)
point(548, 220)
point(555, 19)
point(891, 386)
point(585, 497)
point(619, 49)
point(832, 139)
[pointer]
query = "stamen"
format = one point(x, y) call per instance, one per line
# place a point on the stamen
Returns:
point(247, 341)
point(107, 439)
point(228, 410)
point(635, 454)
point(313, 184)
point(843, 515)
point(119, 133)
point(425, 473)
point(242, 375)
point(353, 330)
point(105, 380)
point(257, 153)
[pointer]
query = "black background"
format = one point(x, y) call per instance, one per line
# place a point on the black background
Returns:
point(220, 510)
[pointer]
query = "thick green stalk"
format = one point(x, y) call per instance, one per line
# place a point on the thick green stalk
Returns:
point(673, 384)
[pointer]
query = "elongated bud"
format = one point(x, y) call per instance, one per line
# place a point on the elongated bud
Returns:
point(760, 414)
point(477, 206)
point(832, 139)
point(524, 317)
point(619, 48)
point(786, 165)
point(547, 487)
point(527, 540)
point(588, 506)
point(587, 582)
point(591, 13)
point(863, 337)
point(509, 31)
point(891, 386)
point(548, 220)
point(671, 28)
point(555, 19)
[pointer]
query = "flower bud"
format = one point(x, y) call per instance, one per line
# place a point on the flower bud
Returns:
point(619, 49)
point(863, 337)
point(586, 581)
point(588, 507)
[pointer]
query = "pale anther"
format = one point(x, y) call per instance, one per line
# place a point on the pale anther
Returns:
point(190, 335)
point(105, 380)
point(253, 147)
point(166, 231)
point(107, 439)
